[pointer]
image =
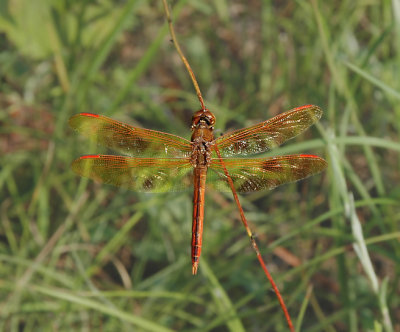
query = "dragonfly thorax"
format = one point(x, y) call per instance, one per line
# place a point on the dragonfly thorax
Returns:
point(202, 138)
point(201, 154)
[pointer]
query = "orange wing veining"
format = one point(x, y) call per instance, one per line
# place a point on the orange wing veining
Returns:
point(265, 173)
point(140, 174)
point(268, 134)
point(133, 141)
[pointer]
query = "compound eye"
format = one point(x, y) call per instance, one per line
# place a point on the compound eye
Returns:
point(208, 117)
point(211, 119)
point(203, 115)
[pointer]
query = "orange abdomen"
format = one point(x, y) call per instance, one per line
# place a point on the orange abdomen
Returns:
point(199, 182)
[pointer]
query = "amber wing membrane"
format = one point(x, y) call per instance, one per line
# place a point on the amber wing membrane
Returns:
point(140, 174)
point(268, 134)
point(132, 141)
point(265, 173)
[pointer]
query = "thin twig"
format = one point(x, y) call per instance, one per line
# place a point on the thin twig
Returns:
point(178, 49)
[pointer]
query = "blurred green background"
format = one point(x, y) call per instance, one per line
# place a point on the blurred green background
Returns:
point(78, 255)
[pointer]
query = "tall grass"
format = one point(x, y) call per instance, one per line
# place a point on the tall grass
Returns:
point(76, 255)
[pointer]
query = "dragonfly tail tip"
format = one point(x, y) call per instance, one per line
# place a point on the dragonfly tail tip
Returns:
point(194, 268)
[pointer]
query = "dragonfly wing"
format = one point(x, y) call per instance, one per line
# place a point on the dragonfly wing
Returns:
point(140, 174)
point(268, 134)
point(259, 174)
point(132, 141)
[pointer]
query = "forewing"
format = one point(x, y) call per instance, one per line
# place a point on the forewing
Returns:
point(259, 174)
point(132, 141)
point(140, 174)
point(268, 134)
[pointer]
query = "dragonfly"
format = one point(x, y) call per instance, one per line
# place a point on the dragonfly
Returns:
point(156, 161)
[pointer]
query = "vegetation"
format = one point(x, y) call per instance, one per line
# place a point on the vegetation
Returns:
point(77, 255)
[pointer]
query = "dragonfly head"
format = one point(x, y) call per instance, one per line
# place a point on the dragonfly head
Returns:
point(203, 119)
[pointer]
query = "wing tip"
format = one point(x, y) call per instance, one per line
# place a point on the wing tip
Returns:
point(310, 156)
point(74, 120)
point(322, 163)
point(317, 111)
point(77, 163)
point(89, 115)
point(83, 165)
point(89, 156)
